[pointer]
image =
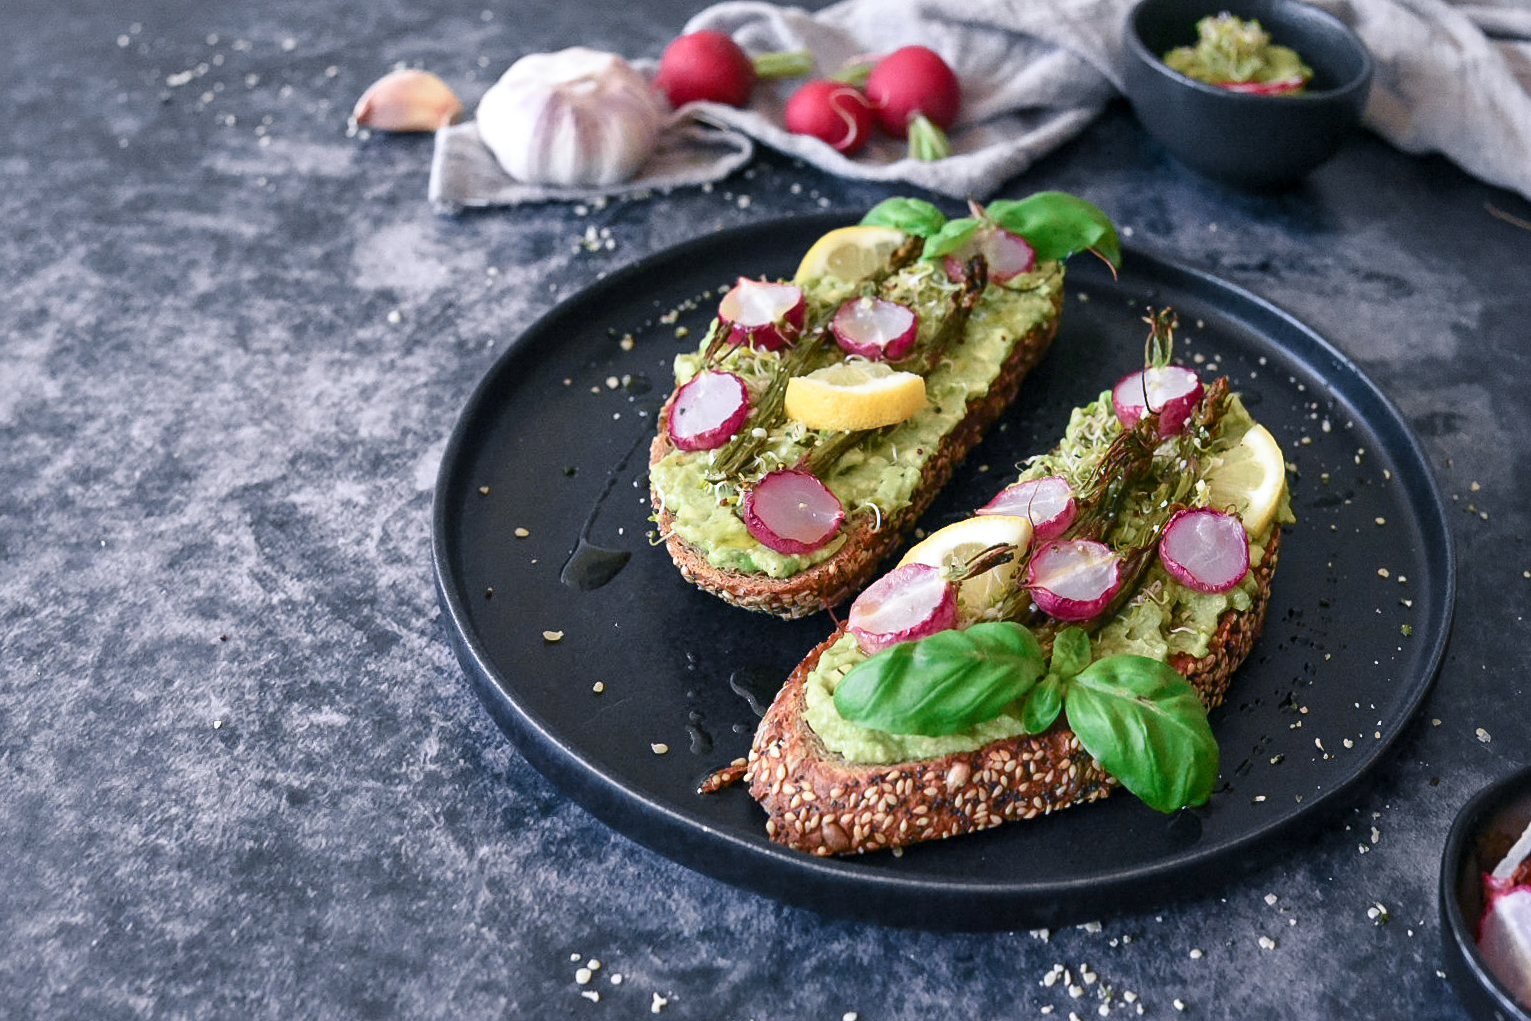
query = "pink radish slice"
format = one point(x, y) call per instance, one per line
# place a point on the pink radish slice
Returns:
point(763, 314)
point(791, 511)
point(1171, 390)
point(1205, 549)
point(906, 603)
point(708, 410)
point(1073, 579)
point(1048, 503)
point(875, 328)
point(1008, 255)
point(1278, 87)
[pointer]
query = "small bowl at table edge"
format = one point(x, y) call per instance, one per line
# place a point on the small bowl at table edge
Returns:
point(1481, 992)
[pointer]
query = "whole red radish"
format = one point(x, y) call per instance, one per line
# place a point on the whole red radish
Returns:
point(709, 65)
point(917, 96)
point(833, 112)
point(705, 65)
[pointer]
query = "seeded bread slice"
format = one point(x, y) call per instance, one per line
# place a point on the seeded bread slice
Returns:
point(818, 802)
point(869, 541)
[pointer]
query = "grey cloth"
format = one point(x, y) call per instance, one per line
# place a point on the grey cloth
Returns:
point(1450, 78)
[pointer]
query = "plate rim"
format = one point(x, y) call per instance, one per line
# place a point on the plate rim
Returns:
point(974, 902)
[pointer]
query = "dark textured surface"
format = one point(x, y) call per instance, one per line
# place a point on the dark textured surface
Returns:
point(243, 774)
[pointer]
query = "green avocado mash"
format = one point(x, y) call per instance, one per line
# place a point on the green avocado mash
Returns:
point(881, 473)
point(1238, 54)
point(1163, 618)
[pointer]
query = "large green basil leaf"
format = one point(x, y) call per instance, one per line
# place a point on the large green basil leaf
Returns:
point(943, 683)
point(912, 216)
point(1057, 224)
point(1147, 727)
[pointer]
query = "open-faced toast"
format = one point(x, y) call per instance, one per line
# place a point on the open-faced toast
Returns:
point(983, 319)
point(924, 721)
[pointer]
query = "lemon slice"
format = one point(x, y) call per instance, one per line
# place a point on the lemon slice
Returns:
point(854, 395)
point(953, 546)
point(1250, 480)
point(848, 253)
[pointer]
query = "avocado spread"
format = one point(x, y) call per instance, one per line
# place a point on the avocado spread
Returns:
point(1162, 618)
point(1237, 54)
point(879, 474)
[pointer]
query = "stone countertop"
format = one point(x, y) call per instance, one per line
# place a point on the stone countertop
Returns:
point(243, 773)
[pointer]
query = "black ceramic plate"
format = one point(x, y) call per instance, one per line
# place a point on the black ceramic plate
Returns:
point(554, 442)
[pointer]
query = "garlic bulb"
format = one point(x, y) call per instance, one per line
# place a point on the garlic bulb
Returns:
point(575, 118)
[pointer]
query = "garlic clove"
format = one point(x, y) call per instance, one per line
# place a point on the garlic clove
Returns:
point(407, 100)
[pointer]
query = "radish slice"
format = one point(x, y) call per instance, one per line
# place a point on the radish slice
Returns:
point(1073, 579)
point(1171, 390)
point(1277, 87)
point(1008, 255)
point(906, 603)
point(763, 314)
point(1205, 549)
point(708, 410)
point(875, 328)
point(1048, 503)
point(790, 511)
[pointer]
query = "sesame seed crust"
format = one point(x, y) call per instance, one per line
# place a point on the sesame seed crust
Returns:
point(833, 580)
point(820, 803)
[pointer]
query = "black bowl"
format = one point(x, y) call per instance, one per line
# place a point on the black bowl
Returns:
point(1478, 837)
point(1249, 141)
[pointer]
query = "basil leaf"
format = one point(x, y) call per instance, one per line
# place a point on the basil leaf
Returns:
point(1147, 726)
point(1057, 224)
point(912, 216)
point(951, 237)
point(943, 683)
point(1071, 652)
point(1043, 704)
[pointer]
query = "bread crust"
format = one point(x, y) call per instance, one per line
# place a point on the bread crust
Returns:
point(820, 803)
point(867, 542)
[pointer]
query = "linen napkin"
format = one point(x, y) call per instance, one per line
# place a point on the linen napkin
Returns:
point(1453, 78)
